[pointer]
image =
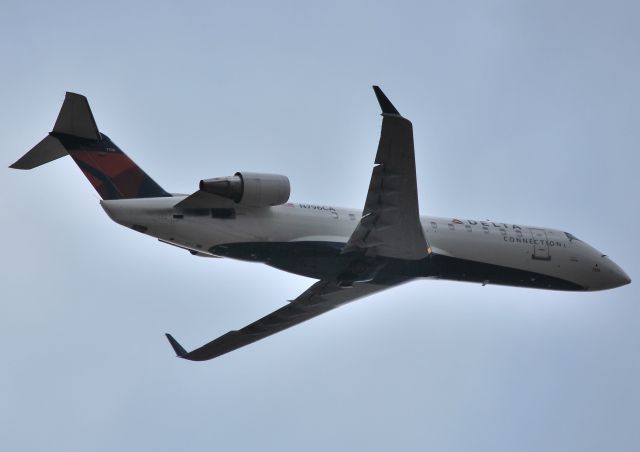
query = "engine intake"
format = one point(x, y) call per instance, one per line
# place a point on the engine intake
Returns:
point(250, 189)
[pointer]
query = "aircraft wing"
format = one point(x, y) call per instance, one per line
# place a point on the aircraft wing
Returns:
point(321, 297)
point(390, 224)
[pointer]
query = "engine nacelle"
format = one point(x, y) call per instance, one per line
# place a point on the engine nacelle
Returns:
point(250, 189)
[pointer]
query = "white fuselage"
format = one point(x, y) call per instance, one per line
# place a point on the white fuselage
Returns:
point(541, 251)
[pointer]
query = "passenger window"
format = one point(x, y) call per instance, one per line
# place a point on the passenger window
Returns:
point(197, 212)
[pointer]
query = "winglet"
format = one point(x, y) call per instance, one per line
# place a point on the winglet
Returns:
point(385, 104)
point(181, 352)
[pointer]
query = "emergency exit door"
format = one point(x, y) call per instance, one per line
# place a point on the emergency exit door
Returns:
point(540, 244)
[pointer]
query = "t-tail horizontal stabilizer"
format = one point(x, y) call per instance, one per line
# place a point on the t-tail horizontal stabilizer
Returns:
point(45, 151)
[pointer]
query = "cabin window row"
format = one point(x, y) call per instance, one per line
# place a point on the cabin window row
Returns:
point(220, 213)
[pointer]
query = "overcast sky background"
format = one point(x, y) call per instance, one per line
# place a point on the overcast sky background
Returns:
point(523, 111)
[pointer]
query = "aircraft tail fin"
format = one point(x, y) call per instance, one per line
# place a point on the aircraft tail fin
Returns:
point(110, 171)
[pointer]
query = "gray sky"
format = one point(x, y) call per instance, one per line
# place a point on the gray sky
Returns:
point(523, 111)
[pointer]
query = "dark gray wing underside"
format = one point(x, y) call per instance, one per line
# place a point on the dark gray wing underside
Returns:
point(321, 297)
point(390, 224)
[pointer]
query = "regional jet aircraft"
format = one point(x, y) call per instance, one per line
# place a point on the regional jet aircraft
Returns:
point(352, 252)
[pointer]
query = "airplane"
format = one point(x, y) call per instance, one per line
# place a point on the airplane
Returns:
point(352, 253)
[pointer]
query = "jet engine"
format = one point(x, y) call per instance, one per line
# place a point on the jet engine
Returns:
point(250, 189)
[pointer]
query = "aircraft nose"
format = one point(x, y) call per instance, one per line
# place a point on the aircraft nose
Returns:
point(623, 277)
point(617, 276)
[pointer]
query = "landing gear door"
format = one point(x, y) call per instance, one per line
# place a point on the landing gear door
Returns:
point(540, 244)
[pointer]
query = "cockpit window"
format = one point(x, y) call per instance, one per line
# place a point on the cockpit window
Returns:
point(572, 237)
